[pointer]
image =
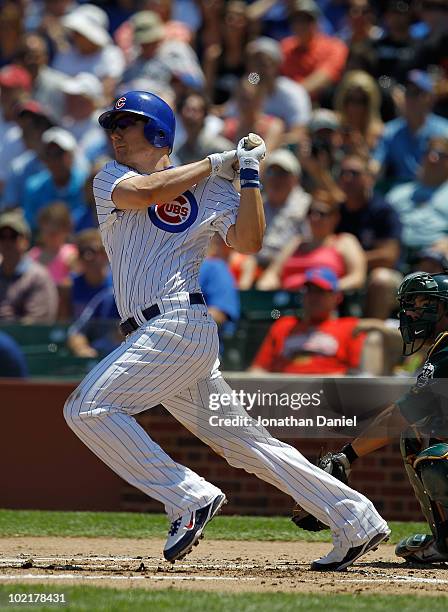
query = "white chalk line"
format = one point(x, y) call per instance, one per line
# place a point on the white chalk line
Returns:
point(107, 577)
point(390, 580)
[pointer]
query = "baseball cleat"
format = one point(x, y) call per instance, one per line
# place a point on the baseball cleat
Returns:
point(420, 548)
point(339, 559)
point(186, 531)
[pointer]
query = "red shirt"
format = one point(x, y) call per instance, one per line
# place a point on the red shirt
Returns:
point(295, 347)
point(324, 52)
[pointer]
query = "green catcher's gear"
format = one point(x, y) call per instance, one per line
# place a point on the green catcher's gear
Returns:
point(420, 548)
point(420, 329)
point(428, 473)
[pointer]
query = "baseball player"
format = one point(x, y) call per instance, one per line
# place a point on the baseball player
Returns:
point(156, 222)
point(421, 415)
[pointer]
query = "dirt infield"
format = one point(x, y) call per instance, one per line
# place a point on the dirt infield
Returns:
point(229, 566)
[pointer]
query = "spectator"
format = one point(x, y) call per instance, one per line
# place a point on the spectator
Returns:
point(11, 27)
point(396, 47)
point(377, 227)
point(15, 87)
point(33, 120)
point(321, 247)
point(94, 273)
point(200, 141)
point(53, 249)
point(433, 50)
point(223, 61)
point(422, 205)
point(311, 58)
point(285, 99)
point(285, 207)
point(27, 293)
point(95, 333)
point(12, 360)
point(357, 101)
point(46, 82)
point(219, 288)
point(249, 100)
point(367, 215)
point(317, 342)
point(62, 180)
point(400, 150)
point(157, 58)
point(83, 97)
point(91, 48)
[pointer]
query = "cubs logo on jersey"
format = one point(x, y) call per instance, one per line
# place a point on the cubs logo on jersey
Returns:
point(175, 216)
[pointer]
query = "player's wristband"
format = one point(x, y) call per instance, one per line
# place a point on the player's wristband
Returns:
point(249, 178)
point(216, 162)
point(349, 452)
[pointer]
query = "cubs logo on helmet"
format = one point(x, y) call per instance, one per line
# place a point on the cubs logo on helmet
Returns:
point(175, 216)
point(120, 102)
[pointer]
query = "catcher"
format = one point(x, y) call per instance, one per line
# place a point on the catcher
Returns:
point(421, 415)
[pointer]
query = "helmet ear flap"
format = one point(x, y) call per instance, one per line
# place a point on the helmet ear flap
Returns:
point(156, 135)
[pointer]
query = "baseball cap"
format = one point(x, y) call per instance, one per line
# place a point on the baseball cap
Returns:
point(60, 137)
point(83, 84)
point(398, 6)
point(14, 76)
point(268, 46)
point(15, 220)
point(32, 107)
point(323, 119)
point(324, 278)
point(421, 79)
point(148, 27)
point(434, 255)
point(88, 23)
point(306, 6)
point(286, 160)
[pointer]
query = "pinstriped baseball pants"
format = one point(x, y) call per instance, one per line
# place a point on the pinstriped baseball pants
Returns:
point(172, 360)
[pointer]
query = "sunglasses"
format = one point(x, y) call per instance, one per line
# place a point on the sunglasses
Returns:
point(90, 252)
point(350, 172)
point(319, 214)
point(437, 154)
point(123, 123)
point(9, 235)
point(358, 100)
point(434, 6)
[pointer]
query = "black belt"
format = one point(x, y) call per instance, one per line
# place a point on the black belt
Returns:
point(131, 324)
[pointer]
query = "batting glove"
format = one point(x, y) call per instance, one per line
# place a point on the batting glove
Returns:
point(222, 164)
point(249, 160)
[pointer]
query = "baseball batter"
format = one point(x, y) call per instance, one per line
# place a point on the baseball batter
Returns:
point(156, 222)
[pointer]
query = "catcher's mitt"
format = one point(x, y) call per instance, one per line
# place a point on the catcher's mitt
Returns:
point(338, 466)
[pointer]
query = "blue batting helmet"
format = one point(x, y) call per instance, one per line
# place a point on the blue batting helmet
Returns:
point(161, 125)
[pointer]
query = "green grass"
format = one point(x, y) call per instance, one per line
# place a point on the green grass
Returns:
point(82, 598)
point(135, 525)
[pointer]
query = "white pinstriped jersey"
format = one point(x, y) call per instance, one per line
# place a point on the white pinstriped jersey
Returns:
point(156, 252)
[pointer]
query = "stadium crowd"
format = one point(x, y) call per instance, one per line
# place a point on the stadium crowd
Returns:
point(351, 97)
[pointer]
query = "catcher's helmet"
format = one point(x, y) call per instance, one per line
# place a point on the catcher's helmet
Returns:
point(421, 328)
point(161, 125)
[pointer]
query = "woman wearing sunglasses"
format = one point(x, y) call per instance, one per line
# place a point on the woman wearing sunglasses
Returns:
point(342, 253)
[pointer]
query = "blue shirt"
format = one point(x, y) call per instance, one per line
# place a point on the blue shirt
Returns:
point(219, 289)
point(12, 360)
point(22, 168)
point(423, 211)
point(400, 152)
point(41, 191)
point(82, 292)
point(99, 322)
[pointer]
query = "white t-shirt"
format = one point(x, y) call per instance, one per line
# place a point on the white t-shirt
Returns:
point(106, 62)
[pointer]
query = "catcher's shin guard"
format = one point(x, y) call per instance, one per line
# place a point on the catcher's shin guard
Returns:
point(427, 470)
